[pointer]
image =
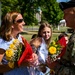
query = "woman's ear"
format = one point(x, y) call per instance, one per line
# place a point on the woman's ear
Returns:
point(12, 26)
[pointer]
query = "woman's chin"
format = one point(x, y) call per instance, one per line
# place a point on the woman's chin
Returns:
point(21, 30)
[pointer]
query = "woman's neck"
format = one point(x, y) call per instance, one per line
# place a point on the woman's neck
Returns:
point(14, 35)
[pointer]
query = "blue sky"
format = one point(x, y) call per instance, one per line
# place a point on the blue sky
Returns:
point(62, 0)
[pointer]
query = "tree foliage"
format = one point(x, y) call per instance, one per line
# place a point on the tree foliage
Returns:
point(50, 10)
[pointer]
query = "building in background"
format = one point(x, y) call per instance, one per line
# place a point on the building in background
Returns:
point(38, 14)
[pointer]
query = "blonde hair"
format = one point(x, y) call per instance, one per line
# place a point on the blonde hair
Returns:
point(6, 25)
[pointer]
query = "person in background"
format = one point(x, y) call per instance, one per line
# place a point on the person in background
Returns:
point(45, 32)
point(10, 38)
point(41, 44)
point(66, 65)
point(65, 35)
point(34, 36)
point(63, 40)
point(35, 44)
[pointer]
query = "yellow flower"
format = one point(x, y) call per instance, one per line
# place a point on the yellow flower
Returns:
point(15, 41)
point(55, 45)
point(54, 42)
point(8, 58)
point(9, 53)
point(11, 64)
point(52, 50)
point(12, 46)
point(13, 52)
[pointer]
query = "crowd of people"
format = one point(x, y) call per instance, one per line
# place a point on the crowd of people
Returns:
point(19, 57)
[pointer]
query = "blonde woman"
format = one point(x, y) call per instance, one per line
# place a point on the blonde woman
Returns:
point(40, 45)
point(12, 25)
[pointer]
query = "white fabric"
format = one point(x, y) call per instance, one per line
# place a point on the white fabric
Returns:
point(5, 44)
point(42, 52)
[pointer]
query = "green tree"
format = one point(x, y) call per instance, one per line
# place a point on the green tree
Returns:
point(9, 5)
point(50, 10)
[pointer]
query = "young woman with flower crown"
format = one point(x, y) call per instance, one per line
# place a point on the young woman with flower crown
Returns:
point(15, 52)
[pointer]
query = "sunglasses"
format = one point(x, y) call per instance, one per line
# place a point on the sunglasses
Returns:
point(20, 20)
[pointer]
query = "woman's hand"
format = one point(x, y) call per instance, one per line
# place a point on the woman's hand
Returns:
point(34, 60)
point(34, 56)
point(31, 62)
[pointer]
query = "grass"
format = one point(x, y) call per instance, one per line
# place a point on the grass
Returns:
point(56, 32)
point(28, 36)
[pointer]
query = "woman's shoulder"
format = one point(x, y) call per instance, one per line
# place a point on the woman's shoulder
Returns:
point(4, 44)
point(2, 41)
